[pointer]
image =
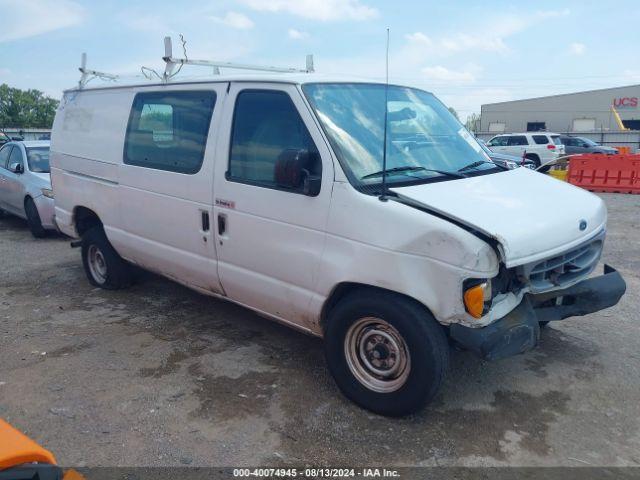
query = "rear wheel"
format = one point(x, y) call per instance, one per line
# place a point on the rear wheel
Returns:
point(33, 219)
point(102, 264)
point(386, 352)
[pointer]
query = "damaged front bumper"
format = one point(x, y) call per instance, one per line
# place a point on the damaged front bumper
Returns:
point(519, 330)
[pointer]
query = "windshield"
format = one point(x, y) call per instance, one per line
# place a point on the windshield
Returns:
point(38, 159)
point(422, 134)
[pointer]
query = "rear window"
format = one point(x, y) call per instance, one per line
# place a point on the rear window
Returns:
point(518, 140)
point(168, 130)
point(38, 159)
point(540, 139)
point(556, 139)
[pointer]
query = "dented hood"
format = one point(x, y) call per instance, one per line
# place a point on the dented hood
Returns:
point(531, 216)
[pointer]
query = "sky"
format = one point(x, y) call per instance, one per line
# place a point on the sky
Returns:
point(466, 52)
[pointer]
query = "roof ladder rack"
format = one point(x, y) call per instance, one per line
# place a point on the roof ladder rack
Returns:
point(88, 75)
point(173, 62)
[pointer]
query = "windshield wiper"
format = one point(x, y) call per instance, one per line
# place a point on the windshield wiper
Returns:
point(477, 164)
point(413, 169)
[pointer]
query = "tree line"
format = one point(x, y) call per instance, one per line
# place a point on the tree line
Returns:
point(25, 108)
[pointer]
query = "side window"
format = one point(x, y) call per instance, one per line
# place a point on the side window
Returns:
point(266, 126)
point(540, 139)
point(168, 130)
point(4, 156)
point(516, 140)
point(16, 157)
point(498, 142)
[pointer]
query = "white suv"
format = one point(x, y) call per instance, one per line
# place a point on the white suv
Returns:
point(540, 147)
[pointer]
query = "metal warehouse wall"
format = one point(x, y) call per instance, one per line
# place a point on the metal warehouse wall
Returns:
point(559, 111)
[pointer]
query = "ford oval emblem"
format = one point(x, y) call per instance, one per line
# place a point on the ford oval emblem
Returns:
point(583, 224)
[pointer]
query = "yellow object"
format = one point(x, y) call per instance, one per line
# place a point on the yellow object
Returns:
point(559, 174)
point(616, 115)
point(16, 448)
point(474, 300)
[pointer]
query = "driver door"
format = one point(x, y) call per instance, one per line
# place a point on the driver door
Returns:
point(269, 239)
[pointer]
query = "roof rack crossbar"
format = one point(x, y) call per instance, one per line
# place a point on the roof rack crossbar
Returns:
point(172, 62)
point(88, 74)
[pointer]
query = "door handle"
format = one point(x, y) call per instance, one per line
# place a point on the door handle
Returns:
point(205, 221)
point(222, 224)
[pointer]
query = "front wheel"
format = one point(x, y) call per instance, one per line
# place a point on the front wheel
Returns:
point(386, 352)
point(535, 159)
point(33, 219)
point(102, 264)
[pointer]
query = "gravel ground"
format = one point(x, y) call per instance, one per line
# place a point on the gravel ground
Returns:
point(158, 375)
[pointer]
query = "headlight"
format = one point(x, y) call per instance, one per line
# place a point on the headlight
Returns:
point(477, 295)
point(47, 192)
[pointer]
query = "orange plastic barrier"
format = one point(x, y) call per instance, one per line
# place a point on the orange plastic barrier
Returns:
point(606, 173)
point(624, 150)
point(16, 448)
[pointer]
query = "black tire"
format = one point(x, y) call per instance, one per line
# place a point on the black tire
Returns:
point(105, 269)
point(33, 219)
point(534, 158)
point(423, 337)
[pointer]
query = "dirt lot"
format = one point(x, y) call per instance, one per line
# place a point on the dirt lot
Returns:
point(160, 375)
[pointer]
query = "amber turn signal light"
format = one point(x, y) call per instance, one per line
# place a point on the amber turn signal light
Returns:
point(474, 298)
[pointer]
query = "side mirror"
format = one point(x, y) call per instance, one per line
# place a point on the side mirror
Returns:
point(299, 170)
point(16, 167)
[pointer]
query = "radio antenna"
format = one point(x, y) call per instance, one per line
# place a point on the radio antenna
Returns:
point(383, 196)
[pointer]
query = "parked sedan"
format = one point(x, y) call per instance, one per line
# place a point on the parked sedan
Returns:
point(25, 184)
point(578, 145)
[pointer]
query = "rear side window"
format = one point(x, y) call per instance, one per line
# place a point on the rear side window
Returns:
point(556, 139)
point(4, 156)
point(266, 123)
point(540, 139)
point(168, 130)
point(518, 140)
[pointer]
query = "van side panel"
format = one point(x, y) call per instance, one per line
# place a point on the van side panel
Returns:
point(86, 149)
point(153, 218)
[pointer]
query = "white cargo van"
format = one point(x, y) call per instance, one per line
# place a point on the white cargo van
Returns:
point(268, 191)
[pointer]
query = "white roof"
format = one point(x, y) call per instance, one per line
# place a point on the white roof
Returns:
point(526, 133)
point(291, 78)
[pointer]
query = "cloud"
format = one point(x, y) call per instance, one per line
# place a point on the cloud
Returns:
point(323, 10)
point(442, 74)
point(23, 19)
point(577, 48)
point(235, 20)
point(297, 34)
point(476, 37)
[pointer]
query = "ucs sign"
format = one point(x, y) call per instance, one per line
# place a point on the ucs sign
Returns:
point(625, 102)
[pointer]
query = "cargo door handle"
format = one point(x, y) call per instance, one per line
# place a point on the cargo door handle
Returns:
point(222, 224)
point(205, 221)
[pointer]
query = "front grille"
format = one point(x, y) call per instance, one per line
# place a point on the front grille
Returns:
point(562, 270)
